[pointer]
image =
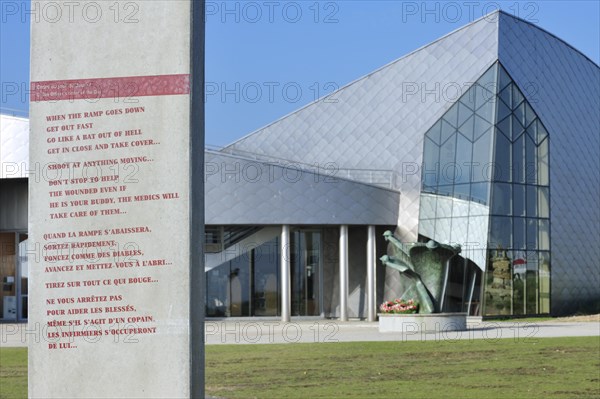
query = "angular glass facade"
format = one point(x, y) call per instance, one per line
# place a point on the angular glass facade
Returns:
point(486, 187)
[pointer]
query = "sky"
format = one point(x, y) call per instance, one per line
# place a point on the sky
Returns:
point(265, 59)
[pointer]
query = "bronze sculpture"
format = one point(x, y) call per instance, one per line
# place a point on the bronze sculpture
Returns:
point(425, 266)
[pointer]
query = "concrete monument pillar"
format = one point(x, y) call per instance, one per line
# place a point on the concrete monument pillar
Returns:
point(116, 216)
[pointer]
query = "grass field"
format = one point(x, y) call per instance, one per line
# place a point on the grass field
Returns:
point(13, 373)
point(541, 368)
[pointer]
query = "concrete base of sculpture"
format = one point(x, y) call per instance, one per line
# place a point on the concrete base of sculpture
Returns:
point(427, 322)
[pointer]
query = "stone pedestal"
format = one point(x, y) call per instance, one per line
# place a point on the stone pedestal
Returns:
point(430, 322)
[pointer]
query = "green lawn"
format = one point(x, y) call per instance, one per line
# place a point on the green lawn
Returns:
point(544, 368)
point(541, 368)
point(13, 373)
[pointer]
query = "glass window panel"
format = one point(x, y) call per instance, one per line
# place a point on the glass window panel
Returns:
point(481, 127)
point(532, 234)
point(488, 79)
point(532, 201)
point(502, 159)
point(520, 113)
point(519, 262)
point(506, 95)
point(532, 131)
point(266, 288)
point(468, 98)
point(467, 128)
point(450, 174)
point(529, 114)
point(543, 202)
point(483, 97)
point(477, 208)
point(531, 288)
point(480, 192)
point(460, 226)
point(502, 202)
point(531, 174)
point(462, 191)
point(544, 281)
point(443, 229)
point(478, 228)
point(517, 128)
point(541, 130)
point(517, 97)
point(503, 110)
point(426, 227)
point(501, 232)
point(430, 167)
point(486, 111)
point(519, 235)
point(448, 161)
point(518, 295)
point(519, 200)
point(486, 94)
point(505, 127)
point(498, 284)
point(444, 207)
point(460, 208)
point(239, 281)
point(434, 132)
point(428, 205)
point(464, 113)
point(544, 237)
point(543, 176)
point(518, 159)
point(519, 269)
point(429, 189)
point(446, 190)
point(464, 150)
point(447, 131)
point(217, 291)
point(452, 115)
point(532, 257)
point(482, 158)
point(503, 78)
point(518, 278)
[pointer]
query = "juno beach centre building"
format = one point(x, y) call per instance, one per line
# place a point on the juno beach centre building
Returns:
point(487, 137)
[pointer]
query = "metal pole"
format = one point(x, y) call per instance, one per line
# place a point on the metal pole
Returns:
point(525, 292)
point(285, 274)
point(464, 285)
point(197, 284)
point(471, 292)
point(371, 273)
point(446, 270)
point(344, 273)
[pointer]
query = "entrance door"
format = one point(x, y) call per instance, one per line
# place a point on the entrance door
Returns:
point(306, 273)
